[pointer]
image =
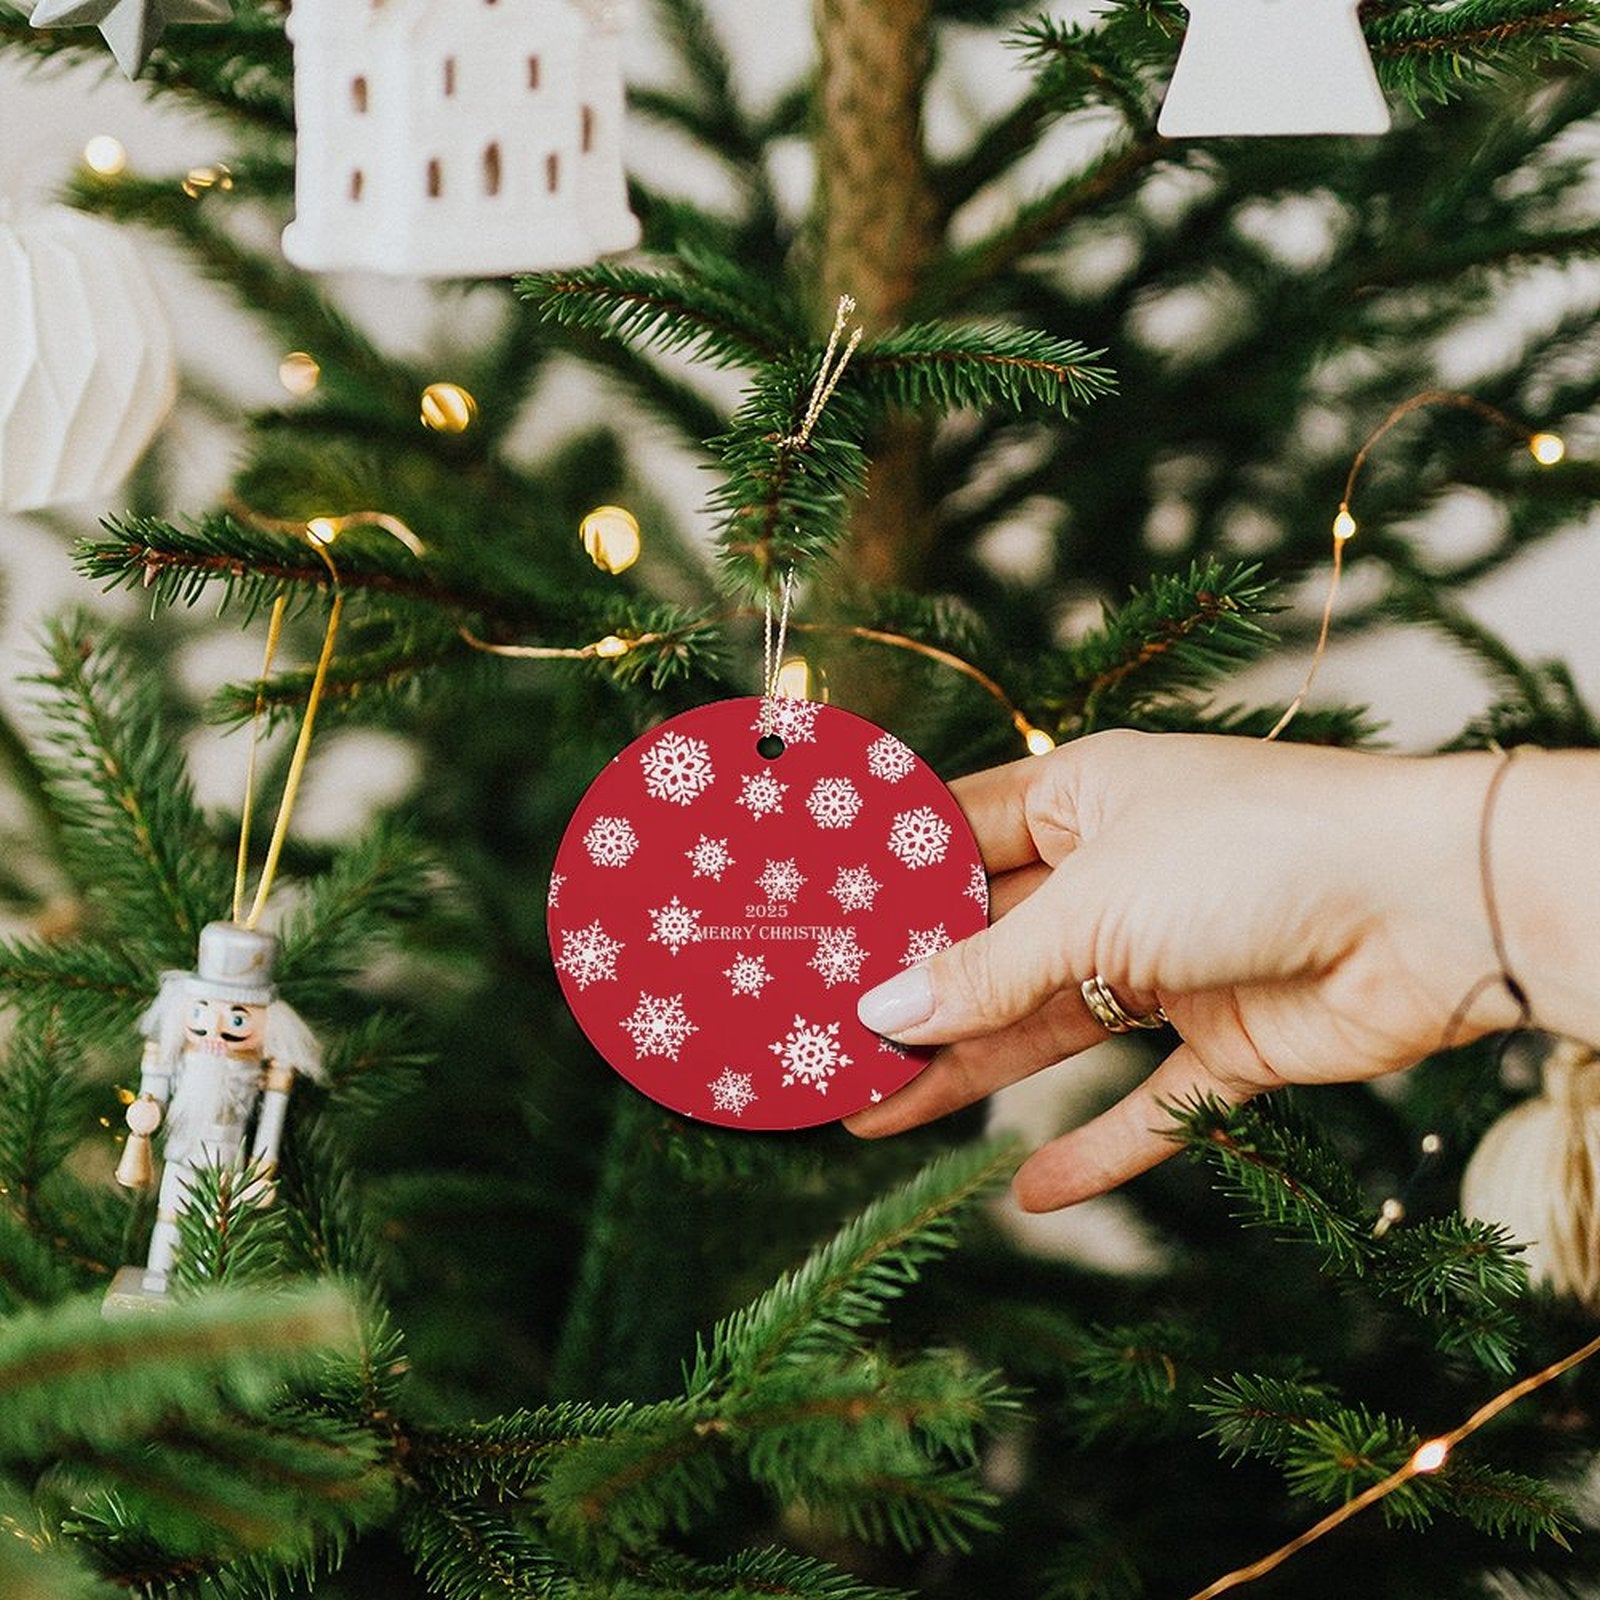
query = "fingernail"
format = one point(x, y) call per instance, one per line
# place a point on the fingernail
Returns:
point(904, 1001)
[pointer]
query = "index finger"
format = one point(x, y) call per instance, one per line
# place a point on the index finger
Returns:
point(996, 805)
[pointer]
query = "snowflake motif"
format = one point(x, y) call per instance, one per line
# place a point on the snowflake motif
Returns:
point(794, 721)
point(762, 793)
point(610, 841)
point(890, 1048)
point(677, 768)
point(589, 955)
point(919, 837)
point(675, 925)
point(927, 942)
point(889, 759)
point(732, 1091)
point(710, 858)
point(977, 889)
point(748, 974)
point(838, 958)
point(875, 1096)
point(781, 882)
point(855, 889)
point(833, 803)
point(658, 1026)
point(553, 896)
point(811, 1054)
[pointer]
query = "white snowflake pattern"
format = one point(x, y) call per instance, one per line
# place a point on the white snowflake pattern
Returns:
point(855, 889)
point(748, 974)
point(553, 896)
point(677, 768)
point(675, 925)
point(890, 1048)
point(890, 759)
point(924, 943)
point(920, 837)
point(977, 889)
point(794, 721)
point(833, 803)
point(710, 858)
point(838, 957)
point(875, 1096)
point(588, 955)
point(811, 1054)
point(611, 841)
point(658, 1026)
point(781, 881)
point(732, 1091)
point(762, 793)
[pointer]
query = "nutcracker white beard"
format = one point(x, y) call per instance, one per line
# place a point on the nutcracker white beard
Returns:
point(212, 1102)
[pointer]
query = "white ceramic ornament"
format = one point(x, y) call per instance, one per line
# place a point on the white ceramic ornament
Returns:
point(457, 138)
point(1273, 67)
point(1536, 1172)
point(88, 373)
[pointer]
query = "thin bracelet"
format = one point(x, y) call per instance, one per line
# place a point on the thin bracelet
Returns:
point(1504, 977)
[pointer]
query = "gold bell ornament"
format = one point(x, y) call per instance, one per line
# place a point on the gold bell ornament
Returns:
point(137, 1168)
point(1536, 1172)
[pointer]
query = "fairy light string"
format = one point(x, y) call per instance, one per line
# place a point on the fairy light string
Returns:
point(1428, 1457)
point(1548, 449)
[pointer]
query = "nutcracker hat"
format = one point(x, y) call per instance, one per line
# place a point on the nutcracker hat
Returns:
point(236, 963)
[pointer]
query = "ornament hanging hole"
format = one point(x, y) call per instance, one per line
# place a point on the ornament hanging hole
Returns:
point(769, 747)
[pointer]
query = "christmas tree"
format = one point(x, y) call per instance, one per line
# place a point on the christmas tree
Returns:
point(507, 1328)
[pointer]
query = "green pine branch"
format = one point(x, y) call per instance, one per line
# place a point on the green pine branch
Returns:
point(1331, 1451)
point(713, 312)
point(70, 1376)
point(1169, 641)
point(845, 1287)
point(953, 367)
point(132, 830)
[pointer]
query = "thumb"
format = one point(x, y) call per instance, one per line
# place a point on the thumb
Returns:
point(992, 978)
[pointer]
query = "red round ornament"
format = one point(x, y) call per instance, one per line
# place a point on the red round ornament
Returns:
point(715, 911)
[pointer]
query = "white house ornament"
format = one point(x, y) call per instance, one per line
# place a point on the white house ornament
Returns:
point(720, 900)
point(1536, 1172)
point(133, 28)
point(89, 372)
point(1273, 67)
point(221, 1055)
point(457, 138)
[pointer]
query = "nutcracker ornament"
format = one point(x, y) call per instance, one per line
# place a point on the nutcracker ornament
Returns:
point(220, 1059)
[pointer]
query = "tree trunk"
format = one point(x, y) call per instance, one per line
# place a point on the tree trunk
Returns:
point(879, 231)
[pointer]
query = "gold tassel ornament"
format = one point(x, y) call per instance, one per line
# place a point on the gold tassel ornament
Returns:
point(1536, 1172)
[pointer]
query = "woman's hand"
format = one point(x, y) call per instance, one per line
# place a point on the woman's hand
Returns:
point(1302, 915)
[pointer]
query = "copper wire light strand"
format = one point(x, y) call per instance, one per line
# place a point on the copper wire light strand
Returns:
point(1428, 1457)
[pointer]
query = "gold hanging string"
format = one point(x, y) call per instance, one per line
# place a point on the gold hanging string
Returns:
point(297, 764)
point(319, 532)
point(241, 866)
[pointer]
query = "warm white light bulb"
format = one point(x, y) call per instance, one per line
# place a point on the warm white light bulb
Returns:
point(105, 155)
point(1039, 742)
point(1430, 1456)
point(299, 373)
point(794, 679)
point(322, 530)
point(611, 537)
point(1344, 525)
point(1547, 448)
point(610, 647)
